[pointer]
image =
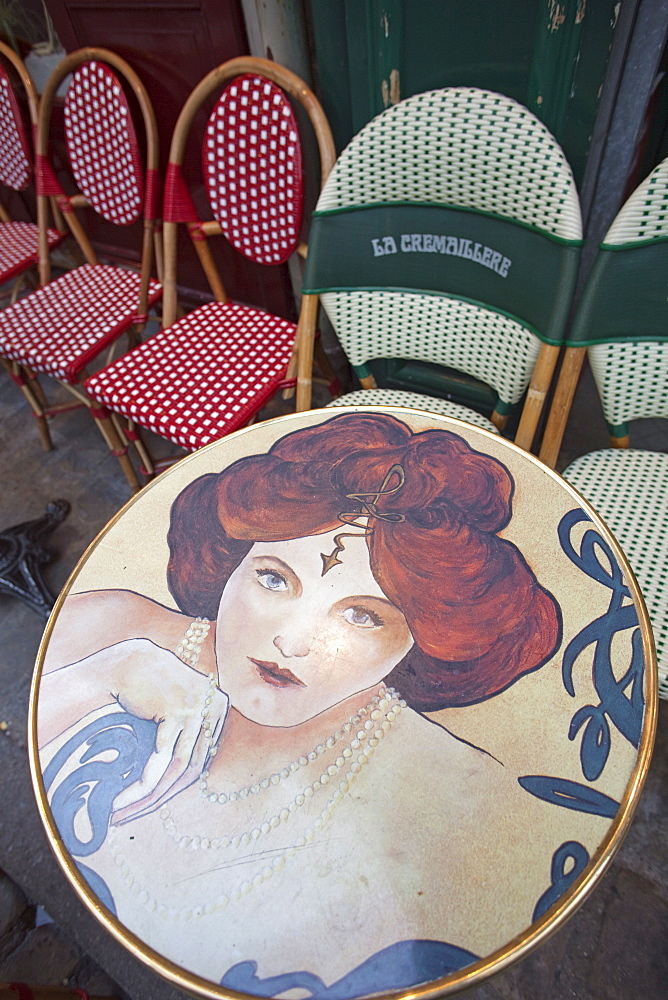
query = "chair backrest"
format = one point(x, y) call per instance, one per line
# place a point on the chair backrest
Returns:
point(16, 157)
point(622, 320)
point(103, 151)
point(251, 168)
point(19, 236)
point(449, 231)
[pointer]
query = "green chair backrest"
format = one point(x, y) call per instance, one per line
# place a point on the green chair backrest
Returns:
point(449, 231)
point(623, 315)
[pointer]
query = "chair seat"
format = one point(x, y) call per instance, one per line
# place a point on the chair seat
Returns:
point(19, 247)
point(416, 401)
point(629, 489)
point(203, 377)
point(62, 326)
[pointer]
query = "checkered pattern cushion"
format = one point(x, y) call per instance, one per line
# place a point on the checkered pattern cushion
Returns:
point(15, 160)
point(629, 489)
point(252, 166)
point(203, 377)
point(102, 144)
point(18, 247)
point(416, 401)
point(62, 326)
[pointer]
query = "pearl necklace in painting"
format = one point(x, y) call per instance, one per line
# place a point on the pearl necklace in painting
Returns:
point(189, 647)
point(370, 717)
point(383, 710)
point(272, 865)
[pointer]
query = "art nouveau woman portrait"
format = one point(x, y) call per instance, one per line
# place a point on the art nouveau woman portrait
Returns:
point(252, 778)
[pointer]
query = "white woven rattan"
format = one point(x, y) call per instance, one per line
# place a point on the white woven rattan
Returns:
point(632, 379)
point(15, 162)
point(644, 215)
point(252, 167)
point(487, 345)
point(629, 489)
point(416, 401)
point(102, 144)
point(19, 246)
point(463, 147)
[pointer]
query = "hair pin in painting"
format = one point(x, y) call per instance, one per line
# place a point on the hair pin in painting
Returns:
point(369, 509)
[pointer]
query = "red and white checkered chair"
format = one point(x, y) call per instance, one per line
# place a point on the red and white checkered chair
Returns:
point(19, 244)
point(209, 372)
point(19, 241)
point(64, 325)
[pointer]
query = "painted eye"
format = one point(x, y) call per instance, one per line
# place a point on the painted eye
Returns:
point(271, 580)
point(362, 617)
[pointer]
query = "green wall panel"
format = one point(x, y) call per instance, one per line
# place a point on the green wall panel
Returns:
point(549, 56)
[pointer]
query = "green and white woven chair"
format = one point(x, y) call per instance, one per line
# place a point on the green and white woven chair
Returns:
point(449, 232)
point(622, 325)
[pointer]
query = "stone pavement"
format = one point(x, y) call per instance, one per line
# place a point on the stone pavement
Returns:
point(614, 948)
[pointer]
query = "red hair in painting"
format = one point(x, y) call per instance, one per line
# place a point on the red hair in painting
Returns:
point(478, 616)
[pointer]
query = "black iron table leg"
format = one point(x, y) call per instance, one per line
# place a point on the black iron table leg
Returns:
point(22, 554)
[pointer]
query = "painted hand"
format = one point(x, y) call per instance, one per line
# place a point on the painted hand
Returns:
point(174, 695)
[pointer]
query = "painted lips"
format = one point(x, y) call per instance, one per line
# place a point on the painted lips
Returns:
point(277, 676)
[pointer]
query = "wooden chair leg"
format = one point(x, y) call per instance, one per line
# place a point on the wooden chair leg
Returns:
point(34, 396)
point(28, 278)
point(561, 404)
point(537, 392)
point(499, 420)
point(36, 387)
point(325, 366)
point(133, 434)
point(291, 372)
point(305, 335)
point(117, 445)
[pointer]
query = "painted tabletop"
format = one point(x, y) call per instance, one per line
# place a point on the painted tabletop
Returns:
point(351, 702)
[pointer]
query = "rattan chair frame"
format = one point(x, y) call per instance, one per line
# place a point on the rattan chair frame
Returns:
point(215, 80)
point(555, 215)
point(641, 218)
point(111, 430)
point(24, 379)
point(628, 355)
point(67, 66)
point(295, 87)
point(201, 231)
point(33, 101)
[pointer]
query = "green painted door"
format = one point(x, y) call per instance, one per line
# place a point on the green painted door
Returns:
point(550, 56)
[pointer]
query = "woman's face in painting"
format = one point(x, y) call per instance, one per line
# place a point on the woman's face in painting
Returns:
point(291, 643)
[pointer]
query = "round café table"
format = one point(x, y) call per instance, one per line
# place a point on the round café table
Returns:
point(351, 702)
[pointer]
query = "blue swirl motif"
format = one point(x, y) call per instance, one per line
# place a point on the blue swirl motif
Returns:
point(625, 710)
point(570, 853)
point(397, 967)
point(94, 784)
point(621, 701)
